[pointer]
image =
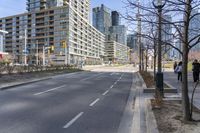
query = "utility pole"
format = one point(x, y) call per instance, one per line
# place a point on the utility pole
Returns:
point(43, 55)
point(37, 53)
point(66, 56)
point(25, 51)
point(139, 37)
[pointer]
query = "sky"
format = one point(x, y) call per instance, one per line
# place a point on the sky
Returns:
point(13, 7)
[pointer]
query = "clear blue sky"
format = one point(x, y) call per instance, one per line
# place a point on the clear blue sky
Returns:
point(12, 7)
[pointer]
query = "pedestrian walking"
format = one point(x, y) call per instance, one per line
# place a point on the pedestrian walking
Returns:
point(175, 65)
point(196, 70)
point(179, 71)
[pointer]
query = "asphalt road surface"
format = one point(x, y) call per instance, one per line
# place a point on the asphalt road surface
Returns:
point(83, 102)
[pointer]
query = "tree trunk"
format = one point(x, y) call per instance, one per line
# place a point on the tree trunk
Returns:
point(185, 96)
point(146, 60)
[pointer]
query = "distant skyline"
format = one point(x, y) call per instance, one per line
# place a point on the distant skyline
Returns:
point(13, 7)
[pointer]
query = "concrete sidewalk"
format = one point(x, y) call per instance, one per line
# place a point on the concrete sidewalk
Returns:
point(171, 78)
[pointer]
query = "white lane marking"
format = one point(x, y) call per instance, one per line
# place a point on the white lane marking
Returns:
point(49, 90)
point(115, 83)
point(73, 120)
point(112, 73)
point(105, 92)
point(91, 77)
point(66, 75)
point(111, 86)
point(95, 101)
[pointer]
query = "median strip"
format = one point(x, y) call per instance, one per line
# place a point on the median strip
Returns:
point(93, 103)
point(73, 120)
point(49, 90)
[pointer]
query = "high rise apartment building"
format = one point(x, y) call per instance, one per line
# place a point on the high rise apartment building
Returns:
point(118, 34)
point(108, 23)
point(115, 18)
point(167, 36)
point(194, 30)
point(102, 18)
point(60, 26)
point(132, 41)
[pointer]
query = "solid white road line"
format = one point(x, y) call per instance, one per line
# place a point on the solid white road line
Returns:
point(73, 120)
point(93, 103)
point(49, 90)
point(105, 92)
point(111, 86)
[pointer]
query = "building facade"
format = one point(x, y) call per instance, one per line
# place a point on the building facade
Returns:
point(60, 28)
point(115, 18)
point(116, 52)
point(167, 36)
point(102, 18)
point(194, 30)
point(118, 34)
point(2, 34)
point(132, 41)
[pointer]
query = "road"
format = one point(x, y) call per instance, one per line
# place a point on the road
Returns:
point(83, 102)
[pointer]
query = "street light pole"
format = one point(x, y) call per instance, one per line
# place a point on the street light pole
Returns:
point(139, 38)
point(159, 4)
point(159, 40)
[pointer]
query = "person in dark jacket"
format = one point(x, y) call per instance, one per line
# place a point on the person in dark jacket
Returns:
point(179, 71)
point(175, 65)
point(195, 69)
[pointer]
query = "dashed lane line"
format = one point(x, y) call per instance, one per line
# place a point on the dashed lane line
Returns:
point(91, 77)
point(105, 92)
point(39, 93)
point(95, 101)
point(73, 120)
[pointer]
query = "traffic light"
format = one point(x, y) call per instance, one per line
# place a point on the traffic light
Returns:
point(52, 49)
point(63, 44)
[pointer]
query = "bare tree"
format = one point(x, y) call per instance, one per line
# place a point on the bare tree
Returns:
point(183, 13)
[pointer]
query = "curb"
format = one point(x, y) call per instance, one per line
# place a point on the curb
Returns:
point(126, 125)
point(144, 86)
point(139, 118)
point(151, 123)
point(8, 86)
point(23, 83)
